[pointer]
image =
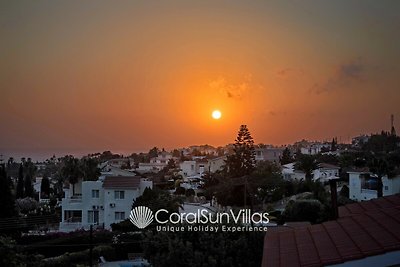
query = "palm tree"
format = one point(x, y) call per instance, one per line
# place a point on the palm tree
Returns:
point(380, 167)
point(89, 169)
point(307, 164)
point(71, 170)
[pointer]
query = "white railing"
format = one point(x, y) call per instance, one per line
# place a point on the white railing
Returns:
point(73, 199)
point(70, 226)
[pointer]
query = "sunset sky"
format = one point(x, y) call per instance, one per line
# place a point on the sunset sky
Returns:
point(86, 76)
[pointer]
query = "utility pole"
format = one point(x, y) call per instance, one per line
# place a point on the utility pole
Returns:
point(333, 187)
point(245, 192)
point(91, 246)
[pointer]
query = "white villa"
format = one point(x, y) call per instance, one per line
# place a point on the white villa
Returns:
point(156, 164)
point(290, 173)
point(363, 185)
point(216, 164)
point(193, 167)
point(103, 202)
point(199, 166)
point(268, 154)
point(314, 148)
point(326, 171)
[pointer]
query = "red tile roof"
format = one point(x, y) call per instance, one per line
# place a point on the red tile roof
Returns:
point(121, 182)
point(363, 229)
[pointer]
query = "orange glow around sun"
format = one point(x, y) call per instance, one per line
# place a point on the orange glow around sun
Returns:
point(216, 114)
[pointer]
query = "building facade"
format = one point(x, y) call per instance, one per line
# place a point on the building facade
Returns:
point(363, 186)
point(100, 203)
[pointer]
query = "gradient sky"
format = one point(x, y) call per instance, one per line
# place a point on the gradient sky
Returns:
point(129, 75)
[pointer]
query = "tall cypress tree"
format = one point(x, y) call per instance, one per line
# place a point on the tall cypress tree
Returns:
point(28, 186)
point(286, 157)
point(45, 187)
point(6, 198)
point(20, 182)
point(242, 161)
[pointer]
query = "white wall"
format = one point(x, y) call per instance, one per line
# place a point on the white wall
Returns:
point(390, 187)
point(325, 173)
point(216, 164)
point(106, 204)
point(188, 168)
point(121, 205)
point(88, 201)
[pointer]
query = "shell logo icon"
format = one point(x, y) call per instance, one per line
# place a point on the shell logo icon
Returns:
point(141, 217)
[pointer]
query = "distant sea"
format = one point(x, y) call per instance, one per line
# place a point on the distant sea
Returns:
point(42, 155)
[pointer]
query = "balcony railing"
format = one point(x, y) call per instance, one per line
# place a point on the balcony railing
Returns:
point(73, 199)
point(70, 226)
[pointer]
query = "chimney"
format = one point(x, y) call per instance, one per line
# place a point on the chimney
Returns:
point(333, 186)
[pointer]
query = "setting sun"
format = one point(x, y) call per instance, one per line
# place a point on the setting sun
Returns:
point(216, 114)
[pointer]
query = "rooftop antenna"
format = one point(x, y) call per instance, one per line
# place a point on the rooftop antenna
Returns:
point(393, 130)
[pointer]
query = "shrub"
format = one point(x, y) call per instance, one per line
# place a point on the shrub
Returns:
point(26, 205)
point(344, 192)
point(304, 210)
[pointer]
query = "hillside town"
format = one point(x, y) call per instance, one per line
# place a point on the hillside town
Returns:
point(70, 211)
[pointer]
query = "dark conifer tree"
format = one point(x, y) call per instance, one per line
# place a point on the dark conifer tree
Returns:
point(45, 187)
point(28, 187)
point(6, 198)
point(242, 161)
point(20, 183)
point(286, 157)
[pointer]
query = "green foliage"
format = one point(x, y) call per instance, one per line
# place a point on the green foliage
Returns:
point(242, 161)
point(190, 192)
point(29, 167)
point(8, 253)
point(28, 187)
point(266, 180)
point(286, 157)
point(153, 153)
point(180, 191)
point(6, 197)
point(124, 226)
point(26, 205)
point(20, 182)
point(138, 158)
point(88, 168)
point(52, 245)
point(72, 169)
point(334, 144)
point(197, 249)
point(327, 158)
point(157, 199)
point(265, 183)
point(176, 153)
point(304, 210)
point(384, 142)
point(306, 163)
point(45, 187)
point(80, 257)
point(344, 192)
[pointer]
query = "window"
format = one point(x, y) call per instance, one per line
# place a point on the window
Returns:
point(73, 215)
point(119, 194)
point(368, 182)
point(93, 216)
point(119, 215)
point(386, 188)
point(95, 193)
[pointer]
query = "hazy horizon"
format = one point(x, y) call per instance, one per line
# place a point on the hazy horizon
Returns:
point(130, 75)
